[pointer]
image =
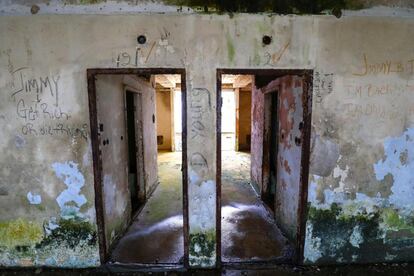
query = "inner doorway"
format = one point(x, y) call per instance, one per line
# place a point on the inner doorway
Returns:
point(136, 180)
point(140, 186)
point(262, 192)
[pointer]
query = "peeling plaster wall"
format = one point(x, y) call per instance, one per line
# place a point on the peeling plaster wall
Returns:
point(110, 97)
point(361, 186)
point(360, 123)
point(47, 211)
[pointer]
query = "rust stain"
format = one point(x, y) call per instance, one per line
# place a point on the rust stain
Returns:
point(286, 166)
point(286, 110)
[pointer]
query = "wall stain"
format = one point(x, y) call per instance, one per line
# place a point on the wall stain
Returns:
point(273, 6)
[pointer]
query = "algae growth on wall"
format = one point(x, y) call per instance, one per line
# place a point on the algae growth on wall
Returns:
point(361, 185)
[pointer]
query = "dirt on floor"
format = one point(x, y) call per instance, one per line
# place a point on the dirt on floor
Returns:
point(403, 269)
point(249, 231)
point(155, 235)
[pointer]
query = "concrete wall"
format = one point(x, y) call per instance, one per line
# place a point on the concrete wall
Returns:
point(110, 97)
point(245, 106)
point(361, 185)
point(164, 119)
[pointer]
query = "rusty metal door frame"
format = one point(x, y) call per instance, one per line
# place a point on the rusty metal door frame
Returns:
point(97, 161)
point(304, 168)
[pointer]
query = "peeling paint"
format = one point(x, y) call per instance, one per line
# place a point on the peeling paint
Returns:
point(400, 168)
point(202, 216)
point(312, 246)
point(356, 237)
point(69, 173)
point(34, 198)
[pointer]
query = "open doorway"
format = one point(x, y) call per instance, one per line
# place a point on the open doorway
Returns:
point(262, 191)
point(136, 173)
point(138, 144)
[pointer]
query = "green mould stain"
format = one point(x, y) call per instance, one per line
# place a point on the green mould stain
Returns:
point(335, 236)
point(202, 249)
point(66, 243)
point(364, 228)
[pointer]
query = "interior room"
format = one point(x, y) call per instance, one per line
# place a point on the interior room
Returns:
point(254, 225)
point(140, 126)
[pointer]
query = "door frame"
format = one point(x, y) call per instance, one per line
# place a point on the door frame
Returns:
point(304, 173)
point(97, 160)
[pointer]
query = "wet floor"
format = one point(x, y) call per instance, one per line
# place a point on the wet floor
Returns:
point(156, 234)
point(249, 231)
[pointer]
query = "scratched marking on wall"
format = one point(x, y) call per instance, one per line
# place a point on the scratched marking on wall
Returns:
point(322, 85)
point(39, 107)
point(199, 98)
point(384, 67)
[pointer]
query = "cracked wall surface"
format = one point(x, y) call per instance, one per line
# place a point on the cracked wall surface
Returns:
point(360, 181)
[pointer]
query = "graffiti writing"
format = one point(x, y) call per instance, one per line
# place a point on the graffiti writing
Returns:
point(273, 58)
point(385, 67)
point(378, 111)
point(35, 110)
point(377, 89)
point(58, 129)
point(198, 96)
point(198, 160)
point(133, 58)
point(322, 85)
point(36, 86)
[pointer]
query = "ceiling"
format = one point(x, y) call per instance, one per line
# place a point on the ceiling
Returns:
point(230, 81)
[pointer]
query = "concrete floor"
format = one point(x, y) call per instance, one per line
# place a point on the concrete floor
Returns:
point(280, 270)
point(249, 232)
point(156, 234)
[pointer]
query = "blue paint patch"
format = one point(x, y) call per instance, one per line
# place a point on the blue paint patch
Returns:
point(71, 199)
point(398, 161)
point(33, 198)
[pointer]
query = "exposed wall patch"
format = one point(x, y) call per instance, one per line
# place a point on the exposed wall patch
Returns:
point(34, 198)
point(69, 173)
point(399, 162)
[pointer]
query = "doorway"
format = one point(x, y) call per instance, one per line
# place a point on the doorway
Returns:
point(262, 193)
point(141, 193)
point(136, 173)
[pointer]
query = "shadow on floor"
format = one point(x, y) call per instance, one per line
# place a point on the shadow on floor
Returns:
point(249, 231)
point(155, 236)
point(403, 269)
